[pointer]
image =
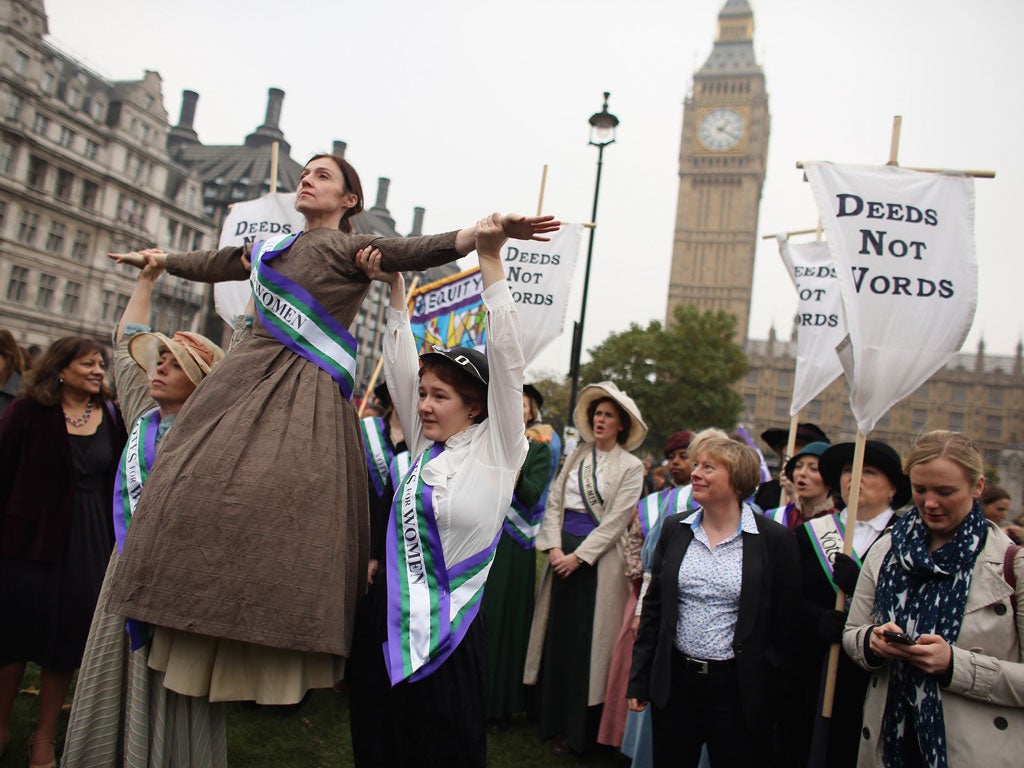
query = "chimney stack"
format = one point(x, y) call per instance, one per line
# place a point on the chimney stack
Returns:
point(270, 131)
point(417, 221)
point(183, 132)
point(382, 194)
point(275, 97)
point(338, 148)
point(188, 109)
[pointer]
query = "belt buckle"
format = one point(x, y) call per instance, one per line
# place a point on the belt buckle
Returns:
point(700, 665)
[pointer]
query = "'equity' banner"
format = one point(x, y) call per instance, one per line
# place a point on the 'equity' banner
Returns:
point(902, 244)
point(450, 313)
point(248, 222)
point(819, 318)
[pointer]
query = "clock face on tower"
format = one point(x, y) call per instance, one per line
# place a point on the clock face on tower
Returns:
point(720, 129)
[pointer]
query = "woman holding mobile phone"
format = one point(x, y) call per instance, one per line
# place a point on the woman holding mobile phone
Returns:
point(948, 580)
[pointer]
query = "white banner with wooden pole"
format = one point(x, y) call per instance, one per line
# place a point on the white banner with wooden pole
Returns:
point(903, 249)
point(250, 221)
point(902, 244)
point(819, 321)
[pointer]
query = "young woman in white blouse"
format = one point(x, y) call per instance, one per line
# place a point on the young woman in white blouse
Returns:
point(418, 670)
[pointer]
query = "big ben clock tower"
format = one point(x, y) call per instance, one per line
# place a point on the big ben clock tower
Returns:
point(721, 172)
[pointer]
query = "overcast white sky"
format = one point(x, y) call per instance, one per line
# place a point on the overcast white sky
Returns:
point(461, 103)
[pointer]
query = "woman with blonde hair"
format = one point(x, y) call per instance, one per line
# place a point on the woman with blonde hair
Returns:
point(712, 656)
point(938, 620)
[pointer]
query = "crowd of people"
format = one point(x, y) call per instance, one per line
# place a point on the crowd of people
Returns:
point(227, 528)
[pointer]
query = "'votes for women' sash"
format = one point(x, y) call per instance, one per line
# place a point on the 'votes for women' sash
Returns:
point(827, 535)
point(586, 474)
point(430, 607)
point(297, 320)
point(780, 514)
point(132, 470)
point(522, 523)
point(660, 505)
point(399, 467)
point(378, 452)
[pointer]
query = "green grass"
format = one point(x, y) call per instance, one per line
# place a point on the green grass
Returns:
point(316, 733)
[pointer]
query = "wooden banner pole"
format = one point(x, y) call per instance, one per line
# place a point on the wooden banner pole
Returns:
point(543, 184)
point(894, 140)
point(790, 447)
point(851, 523)
point(380, 361)
point(274, 151)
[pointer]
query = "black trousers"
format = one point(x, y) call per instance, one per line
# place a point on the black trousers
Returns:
point(705, 708)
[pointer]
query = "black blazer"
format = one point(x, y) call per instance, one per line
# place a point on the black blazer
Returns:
point(764, 640)
point(37, 478)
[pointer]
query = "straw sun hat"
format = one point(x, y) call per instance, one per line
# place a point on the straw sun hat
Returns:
point(195, 354)
point(603, 389)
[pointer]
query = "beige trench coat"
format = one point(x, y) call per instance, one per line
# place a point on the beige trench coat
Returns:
point(983, 707)
point(625, 482)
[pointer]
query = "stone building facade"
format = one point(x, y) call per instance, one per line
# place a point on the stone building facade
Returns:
point(84, 171)
point(90, 166)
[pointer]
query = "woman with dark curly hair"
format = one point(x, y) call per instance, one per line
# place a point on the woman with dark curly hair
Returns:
point(59, 445)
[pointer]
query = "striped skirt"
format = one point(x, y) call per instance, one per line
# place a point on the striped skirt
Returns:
point(122, 714)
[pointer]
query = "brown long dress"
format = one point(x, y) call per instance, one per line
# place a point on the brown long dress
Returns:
point(253, 526)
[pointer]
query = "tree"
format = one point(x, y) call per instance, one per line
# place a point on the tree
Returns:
point(681, 377)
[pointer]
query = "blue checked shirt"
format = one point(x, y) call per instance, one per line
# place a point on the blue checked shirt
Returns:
point(709, 590)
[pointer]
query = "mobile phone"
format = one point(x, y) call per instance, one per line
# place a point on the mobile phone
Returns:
point(898, 637)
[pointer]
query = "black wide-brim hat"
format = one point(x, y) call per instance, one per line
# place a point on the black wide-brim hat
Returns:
point(470, 360)
point(381, 393)
point(534, 394)
point(877, 454)
point(806, 432)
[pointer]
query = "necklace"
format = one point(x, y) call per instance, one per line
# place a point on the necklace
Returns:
point(83, 419)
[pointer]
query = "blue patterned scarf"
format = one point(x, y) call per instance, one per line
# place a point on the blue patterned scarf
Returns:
point(924, 593)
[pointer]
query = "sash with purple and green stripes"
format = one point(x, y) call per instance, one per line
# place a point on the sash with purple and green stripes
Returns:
point(378, 452)
point(399, 467)
point(827, 536)
point(780, 514)
point(662, 504)
point(297, 320)
point(430, 606)
point(522, 523)
point(132, 470)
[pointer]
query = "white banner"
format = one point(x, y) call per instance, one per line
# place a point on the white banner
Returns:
point(903, 247)
point(540, 276)
point(820, 326)
point(247, 222)
point(450, 313)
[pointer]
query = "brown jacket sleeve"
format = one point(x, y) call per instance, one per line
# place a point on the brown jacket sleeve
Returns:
point(210, 266)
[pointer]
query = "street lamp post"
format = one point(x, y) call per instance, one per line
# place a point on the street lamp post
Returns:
point(602, 133)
